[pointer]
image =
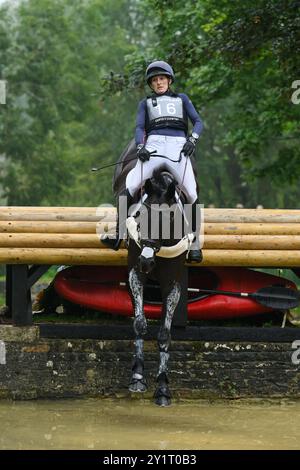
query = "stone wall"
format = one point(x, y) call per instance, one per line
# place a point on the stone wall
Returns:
point(35, 367)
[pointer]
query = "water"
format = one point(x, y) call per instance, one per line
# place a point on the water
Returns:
point(138, 424)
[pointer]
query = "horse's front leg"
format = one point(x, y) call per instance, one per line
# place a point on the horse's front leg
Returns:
point(138, 383)
point(162, 393)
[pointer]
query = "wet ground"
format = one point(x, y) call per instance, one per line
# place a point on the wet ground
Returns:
point(138, 424)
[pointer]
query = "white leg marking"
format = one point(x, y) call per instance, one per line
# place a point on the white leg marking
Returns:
point(171, 301)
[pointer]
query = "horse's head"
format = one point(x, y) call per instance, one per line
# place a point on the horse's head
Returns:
point(156, 218)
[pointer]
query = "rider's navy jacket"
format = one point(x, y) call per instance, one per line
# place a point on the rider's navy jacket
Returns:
point(142, 119)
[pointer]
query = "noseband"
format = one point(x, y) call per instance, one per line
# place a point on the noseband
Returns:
point(164, 251)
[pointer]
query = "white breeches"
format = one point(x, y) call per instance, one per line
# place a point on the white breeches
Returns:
point(170, 147)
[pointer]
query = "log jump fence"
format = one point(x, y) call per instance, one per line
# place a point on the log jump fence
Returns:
point(34, 238)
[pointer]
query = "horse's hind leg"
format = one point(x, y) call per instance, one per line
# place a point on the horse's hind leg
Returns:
point(138, 383)
point(162, 393)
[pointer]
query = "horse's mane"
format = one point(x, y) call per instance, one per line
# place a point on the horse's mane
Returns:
point(161, 179)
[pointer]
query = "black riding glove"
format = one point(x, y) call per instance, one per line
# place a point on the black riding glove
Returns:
point(189, 146)
point(142, 153)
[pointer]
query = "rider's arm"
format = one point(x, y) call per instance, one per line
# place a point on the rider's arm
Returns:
point(140, 123)
point(193, 115)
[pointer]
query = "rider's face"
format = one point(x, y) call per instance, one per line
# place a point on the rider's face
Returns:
point(160, 84)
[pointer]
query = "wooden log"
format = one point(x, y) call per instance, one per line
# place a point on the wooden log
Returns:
point(253, 218)
point(80, 256)
point(84, 214)
point(252, 242)
point(65, 256)
point(108, 214)
point(58, 226)
point(251, 258)
point(220, 242)
point(90, 210)
point(248, 228)
point(50, 240)
point(61, 209)
point(251, 215)
point(38, 226)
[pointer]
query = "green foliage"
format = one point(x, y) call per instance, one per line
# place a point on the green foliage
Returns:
point(237, 61)
point(53, 128)
point(75, 73)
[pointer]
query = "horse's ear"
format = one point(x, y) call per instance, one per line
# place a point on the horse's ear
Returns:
point(170, 193)
point(148, 187)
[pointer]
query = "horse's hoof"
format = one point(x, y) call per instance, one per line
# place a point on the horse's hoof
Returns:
point(163, 401)
point(162, 395)
point(137, 386)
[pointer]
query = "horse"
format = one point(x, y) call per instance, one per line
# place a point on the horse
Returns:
point(161, 258)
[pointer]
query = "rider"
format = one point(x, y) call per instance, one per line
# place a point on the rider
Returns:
point(162, 126)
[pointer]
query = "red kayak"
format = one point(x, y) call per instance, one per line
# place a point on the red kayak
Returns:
point(98, 288)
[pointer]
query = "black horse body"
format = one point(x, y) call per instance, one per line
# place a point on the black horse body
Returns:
point(144, 264)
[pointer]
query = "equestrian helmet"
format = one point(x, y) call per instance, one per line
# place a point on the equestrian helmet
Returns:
point(159, 67)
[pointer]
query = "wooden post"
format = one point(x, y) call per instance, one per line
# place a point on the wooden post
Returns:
point(20, 297)
point(19, 280)
point(8, 285)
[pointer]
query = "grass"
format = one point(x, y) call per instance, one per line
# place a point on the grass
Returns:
point(82, 316)
point(49, 275)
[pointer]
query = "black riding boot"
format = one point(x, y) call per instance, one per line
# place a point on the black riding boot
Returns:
point(195, 254)
point(115, 243)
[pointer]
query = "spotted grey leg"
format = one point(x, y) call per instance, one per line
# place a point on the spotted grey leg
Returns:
point(138, 383)
point(162, 393)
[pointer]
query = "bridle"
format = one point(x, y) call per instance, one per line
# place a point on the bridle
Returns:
point(163, 251)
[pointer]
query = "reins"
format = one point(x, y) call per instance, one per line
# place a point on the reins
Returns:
point(134, 158)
